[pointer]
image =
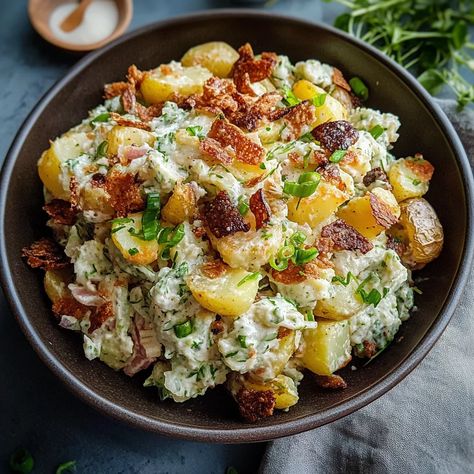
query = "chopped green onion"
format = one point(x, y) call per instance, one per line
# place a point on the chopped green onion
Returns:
point(100, 118)
point(231, 354)
point(149, 218)
point(337, 156)
point(359, 88)
point(133, 251)
point(183, 329)
point(342, 281)
point(298, 238)
point(262, 166)
point(376, 131)
point(102, 149)
point(242, 341)
point(21, 461)
point(195, 131)
point(306, 185)
point(416, 182)
point(249, 277)
point(69, 466)
point(303, 256)
point(309, 315)
point(385, 292)
point(242, 206)
point(290, 98)
point(319, 100)
point(278, 265)
point(286, 252)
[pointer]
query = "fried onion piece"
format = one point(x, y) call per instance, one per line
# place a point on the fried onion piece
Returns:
point(345, 237)
point(260, 208)
point(61, 211)
point(228, 135)
point(222, 217)
point(45, 254)
point(124, 192)
point(254, 405)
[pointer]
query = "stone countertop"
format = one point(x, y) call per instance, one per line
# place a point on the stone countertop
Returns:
point(36, 411)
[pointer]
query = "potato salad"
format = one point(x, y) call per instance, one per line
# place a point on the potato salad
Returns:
point(234, 219)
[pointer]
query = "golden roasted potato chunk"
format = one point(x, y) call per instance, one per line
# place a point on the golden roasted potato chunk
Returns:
point(122, 136)
point(67, 147)
point(371, 214)
point(223, 290)
point(216, 56)
point(410, 177)
point(330, 110)
point(181, 205)
point(55, 284)
point(420, 231)
point(161, 83)
point(133, 249)
point(343, 304)
point(317, 207)
point(327, 348)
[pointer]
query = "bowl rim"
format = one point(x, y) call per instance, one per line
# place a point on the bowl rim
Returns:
point(254, 432)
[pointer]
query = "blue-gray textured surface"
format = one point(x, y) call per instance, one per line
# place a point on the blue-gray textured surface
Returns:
point(36, 411)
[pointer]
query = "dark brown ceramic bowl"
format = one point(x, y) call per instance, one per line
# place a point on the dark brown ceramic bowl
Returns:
point(214, 417)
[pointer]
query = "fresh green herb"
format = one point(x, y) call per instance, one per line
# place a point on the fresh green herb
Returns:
point(195, 131)
point(102, 149)
point(242, 206)
point(376, 131)
point(319, 100)
point(303, 256)
point(100, 118)
point(359, 88)
point(430, 38)
point(307, 138)
point(344, 281)
point(416, 182)
point(286, 252)
point(249, 277)
point(183, 329)
point(337, 156)
point(242, 341)
point(385, 292)
point(133, 251)
point(306, 159)
point(278, 265)
point(196, 345)
point(169, 237)
point(21, 461)
point(69, 466)
point(149, 219)
point(290, 98)
point(306, 185)
point(262, 166)
point(298, 238)
point(372, 297)
point(309, 315)
point(231, 354)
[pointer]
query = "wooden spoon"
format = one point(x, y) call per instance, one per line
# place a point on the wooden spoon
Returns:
point(74, 19)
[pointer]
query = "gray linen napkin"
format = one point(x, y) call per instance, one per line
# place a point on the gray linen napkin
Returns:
point(424, 425)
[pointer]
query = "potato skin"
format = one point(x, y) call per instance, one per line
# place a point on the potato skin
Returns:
point(420, 231)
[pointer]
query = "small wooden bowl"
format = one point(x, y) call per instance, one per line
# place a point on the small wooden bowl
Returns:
point(39, 12)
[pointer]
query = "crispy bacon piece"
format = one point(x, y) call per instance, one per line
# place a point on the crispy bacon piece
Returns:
point(345, 237)
point(114, 89)
point(260, 208)
point(254, 405)
point(283, 332)
point(70, 307)
point(199, 232)
point(99, 315)
point(369, 350)
point(213, 149)
point(228, 135)
point(247, 69)
point(338, 79)
point(135, 76)
point(214, 269)
point(337, 135)
point(217, 326)
point(331, 382)
point(98, 180)
point(124, 192)
point(382, 213)
point(45, 254)
point(294, 274)
point(122, 121)
point(299, 117)
point(146, 114)
point(74, 190)
point(222, 217)
point(249, 115)
point(331, 174)
point(375, 174)
point(61, 211)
